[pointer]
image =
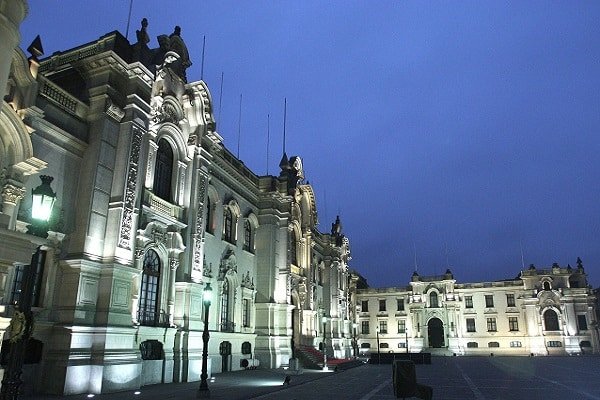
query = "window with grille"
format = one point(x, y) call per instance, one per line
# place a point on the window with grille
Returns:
point(364, 327)
point(582, 322)
point(228, 226)
point(148, 305)
point(468, 301)
point(516, 343)
point(510, 300)
point(365, 345)
point(551, 320)
point(554, 343)
point(513, 324)
point(433, 300)
point(400, 304)
point(472, 345)
point(16, 286)
point(470, 324)
point(163, 173)
point(246, 312)
point(401, 326)
point(248, 237)
point(489, 300)
point(491, 325)
point(493, 344)
point(246, 348)
point(364, 306)
point(384, 345)
point(225, 322)
point(293, 249)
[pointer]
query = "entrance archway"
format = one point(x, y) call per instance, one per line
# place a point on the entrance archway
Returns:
point(435, 332)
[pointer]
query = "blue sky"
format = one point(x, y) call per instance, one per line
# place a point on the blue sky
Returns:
point(462, 130)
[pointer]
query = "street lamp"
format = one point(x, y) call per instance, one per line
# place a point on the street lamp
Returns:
point(354, 327)
point(324, 319)
point(43, 198)
point(203, 391)
point(378, 353)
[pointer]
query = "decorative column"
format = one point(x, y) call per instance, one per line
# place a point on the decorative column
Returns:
point(11, 196)
point(174, 264)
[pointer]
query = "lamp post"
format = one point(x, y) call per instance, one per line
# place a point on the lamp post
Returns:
point(43, 198)
point(355, 327)
point(324, 319)
point(378, 353)
point(203, 390)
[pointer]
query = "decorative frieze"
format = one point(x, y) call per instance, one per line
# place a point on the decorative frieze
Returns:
point(130, 189)
point(114, 111)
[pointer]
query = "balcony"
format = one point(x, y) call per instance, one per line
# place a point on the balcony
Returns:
point(153, 318)
point(227, 326)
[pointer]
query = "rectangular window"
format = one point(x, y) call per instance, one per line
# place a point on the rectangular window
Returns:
point(246, 312)
point(382, 326)
point(489, 300)
point(510, 300)
point(402, 345)
point(472, 345)
point(513, 324)
point(400, 304)
point(364, 327)
point(401, 326)
point(470, 324)
point(16, 287)
point(491, 324)
point(364, 306)
point(582, 322)
point(381, 305)
point(516, 343)
point(468, 301)
point(554, 343)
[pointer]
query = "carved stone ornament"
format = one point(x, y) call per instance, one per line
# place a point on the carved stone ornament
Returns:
point(114, 111)
point(228, 264)
point(130, 189)
point(12, 194)
point(174, 264)
point(207, 271)
point(247, 281)
point(139, 252)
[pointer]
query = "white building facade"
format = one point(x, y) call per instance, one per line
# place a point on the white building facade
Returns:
point(150, 209)
point(542, 312)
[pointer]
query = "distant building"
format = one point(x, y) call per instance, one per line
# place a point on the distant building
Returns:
point(541, 312)
point(151, 207)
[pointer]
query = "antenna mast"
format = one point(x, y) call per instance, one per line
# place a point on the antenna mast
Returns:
point(239, 127)
point(202, 68)
point(128, 19)
point(268, 139)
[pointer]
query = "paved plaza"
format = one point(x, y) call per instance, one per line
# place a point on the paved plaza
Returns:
point(452, 378)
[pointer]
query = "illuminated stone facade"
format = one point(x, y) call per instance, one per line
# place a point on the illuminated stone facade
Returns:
point(151, 207)
point(542, 312)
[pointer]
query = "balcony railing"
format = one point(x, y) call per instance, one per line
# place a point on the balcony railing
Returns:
point(227, 326)
point(153, 318)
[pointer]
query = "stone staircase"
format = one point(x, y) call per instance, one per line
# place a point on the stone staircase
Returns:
point(312, 358)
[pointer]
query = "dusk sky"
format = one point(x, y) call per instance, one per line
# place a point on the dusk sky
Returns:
point(464, 131)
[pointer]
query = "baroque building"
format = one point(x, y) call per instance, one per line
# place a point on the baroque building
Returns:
point(151, 208)
point(541, 312)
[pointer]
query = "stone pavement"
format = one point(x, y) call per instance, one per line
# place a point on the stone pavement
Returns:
point(238, 385)
point(452, 378)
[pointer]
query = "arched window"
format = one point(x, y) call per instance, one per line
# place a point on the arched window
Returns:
point(433, 299)
point(228, 231)
point(148, 307)
point(547, 285)
point(551, 320)
point(293, 249)
point(226, 324)
point(163, 172)
point(209, 216)
point(248, 237)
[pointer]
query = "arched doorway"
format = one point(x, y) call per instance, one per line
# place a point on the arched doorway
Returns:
point(435, 332)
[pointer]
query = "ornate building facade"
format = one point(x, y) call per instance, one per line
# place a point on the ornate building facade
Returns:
point(150, 208)
point(541, 312)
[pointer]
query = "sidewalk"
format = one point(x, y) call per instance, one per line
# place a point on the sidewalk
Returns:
point(238, 385)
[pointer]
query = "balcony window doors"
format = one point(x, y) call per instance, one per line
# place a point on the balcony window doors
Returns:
point(148, 306)
point(163, 172)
